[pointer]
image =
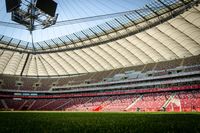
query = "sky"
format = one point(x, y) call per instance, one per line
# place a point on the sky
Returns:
point(67, 10)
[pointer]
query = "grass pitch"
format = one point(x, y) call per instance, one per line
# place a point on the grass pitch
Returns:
point(69, 122)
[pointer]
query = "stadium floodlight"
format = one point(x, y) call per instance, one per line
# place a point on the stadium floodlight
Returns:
point(12, 5)
point(31, 13)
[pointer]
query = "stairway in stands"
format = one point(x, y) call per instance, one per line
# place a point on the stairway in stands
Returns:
point(4, 104)
point(171, 98)
point(134, 102)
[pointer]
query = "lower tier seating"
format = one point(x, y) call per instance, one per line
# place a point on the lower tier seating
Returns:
point(165, 101)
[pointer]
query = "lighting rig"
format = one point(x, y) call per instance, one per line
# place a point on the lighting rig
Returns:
point(31, 13)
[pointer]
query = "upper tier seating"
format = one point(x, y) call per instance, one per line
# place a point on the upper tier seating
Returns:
point(195, 60)
point(45, 84)
point(168, 65)
point(9, 82)
point(28, 83)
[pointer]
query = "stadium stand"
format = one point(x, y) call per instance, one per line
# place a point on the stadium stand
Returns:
point(120, 103)
point(9, 82)
point(181, 101)
point(185, 101)
point(168, 65)
point(151, 102)
point(155, 69)
point(28, 83)
point(161, 68)
point(46, 83)
point(1, 105)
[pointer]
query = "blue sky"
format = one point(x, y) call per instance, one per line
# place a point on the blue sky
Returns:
point(70, 9)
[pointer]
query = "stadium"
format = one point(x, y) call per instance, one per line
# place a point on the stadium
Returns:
point(80, 63)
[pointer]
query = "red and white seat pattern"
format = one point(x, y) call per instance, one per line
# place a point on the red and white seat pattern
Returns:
point(181, 101)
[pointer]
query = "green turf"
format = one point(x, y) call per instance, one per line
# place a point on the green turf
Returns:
point(57, 122)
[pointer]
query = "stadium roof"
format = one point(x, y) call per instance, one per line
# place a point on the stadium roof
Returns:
point(160, 31)
point(73, 17)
